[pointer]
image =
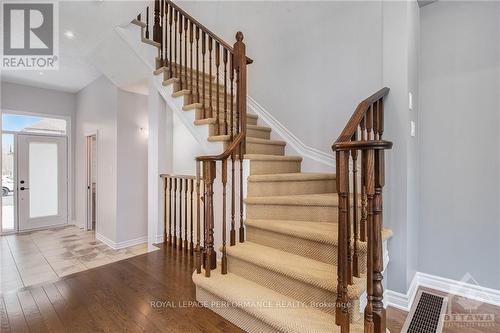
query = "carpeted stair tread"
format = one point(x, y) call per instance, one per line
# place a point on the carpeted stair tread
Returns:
point(323, 200)
point(313, 272)
point(265, 157)
point(297, 176)
point(216, 138)
point(323, 232)
point(297, 319)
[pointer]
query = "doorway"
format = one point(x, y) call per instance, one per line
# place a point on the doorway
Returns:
point(42, 174)
point(91, 181)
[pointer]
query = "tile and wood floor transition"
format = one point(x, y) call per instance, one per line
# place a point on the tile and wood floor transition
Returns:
point(46, 255)
point(152, 292)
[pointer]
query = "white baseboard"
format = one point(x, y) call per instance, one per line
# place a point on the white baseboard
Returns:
point(159, 239)
point(462, 288)
point(295, 143)
point(121, 245)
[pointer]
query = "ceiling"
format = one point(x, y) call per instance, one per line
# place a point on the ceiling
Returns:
point(90, 21)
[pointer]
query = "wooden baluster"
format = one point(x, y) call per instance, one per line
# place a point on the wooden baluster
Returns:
point(241, 79)
point(342, 308)
point(186, 54)
point(232, 234)
point(381, 119)
point(368, 156)
point(224, 60)
point(208, 179)
point(156, 24)
point(191, 242)
point(355, 255)
point(348, 226)
point(203, 52)
point(165, 35)
point(198, 221)
point(147, 22)
point(165, 189)
point(369, 123)
point(175, 44)
point(174, 241)
point(198, 65)
point(364, 200)
point(210, 48)
point(375, 120)
point(379, 314)
point(224, 208)
point(181, 81)
point(217, 64)
point(191, 33)
point(170, 64)
point(180, 213)
point(170, 211)
point(231, 77)
point(186, 215)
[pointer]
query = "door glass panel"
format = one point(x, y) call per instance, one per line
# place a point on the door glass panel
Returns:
point(43, 182)
point(7, 182)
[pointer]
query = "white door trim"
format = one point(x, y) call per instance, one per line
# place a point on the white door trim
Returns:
point(62, 217)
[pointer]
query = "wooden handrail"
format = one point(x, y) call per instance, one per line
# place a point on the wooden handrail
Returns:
point(177, 176)
point(205, 29)
point(358, 115)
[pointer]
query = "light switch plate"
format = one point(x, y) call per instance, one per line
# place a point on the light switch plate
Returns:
point(412, 128)
point(410, 101)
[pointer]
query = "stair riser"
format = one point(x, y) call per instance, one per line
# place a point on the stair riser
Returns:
point(293, 212)
point(267, 149)
point(273, 167)
point(237, 316)
point(301, 291)
point(252, 133)
point(198, 116)
point(291, 187)
point(319, 251)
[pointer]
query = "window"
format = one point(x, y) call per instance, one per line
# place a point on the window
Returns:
point(33, 124)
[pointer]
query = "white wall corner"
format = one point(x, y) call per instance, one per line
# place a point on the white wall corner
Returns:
point(121, 245)
point(314, 159)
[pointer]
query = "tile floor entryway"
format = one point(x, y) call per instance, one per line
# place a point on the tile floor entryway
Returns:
point(41, 256)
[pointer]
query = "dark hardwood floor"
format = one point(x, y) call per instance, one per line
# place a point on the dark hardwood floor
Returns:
point(148, 293)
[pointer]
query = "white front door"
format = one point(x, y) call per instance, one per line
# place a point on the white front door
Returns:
point(42, 181)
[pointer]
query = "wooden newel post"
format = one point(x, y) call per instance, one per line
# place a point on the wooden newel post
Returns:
point(379, 315)
point(342, 302)
point(198, 217)
point(156, 25)
point(369, 176)
point(208, 180)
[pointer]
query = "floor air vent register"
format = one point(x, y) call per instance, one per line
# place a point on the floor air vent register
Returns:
point(427, 314)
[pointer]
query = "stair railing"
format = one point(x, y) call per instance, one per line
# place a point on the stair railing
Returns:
point(213, 73)
point(234, 151)
point(362, 134)
point(182, 195)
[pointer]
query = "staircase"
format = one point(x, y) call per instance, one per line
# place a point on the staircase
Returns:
point(304, 247)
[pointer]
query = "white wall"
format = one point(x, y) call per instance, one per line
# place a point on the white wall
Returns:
point(132, 164)
point(27, 99)
point(117, 117)
point(460, 140)
point(97, 112)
